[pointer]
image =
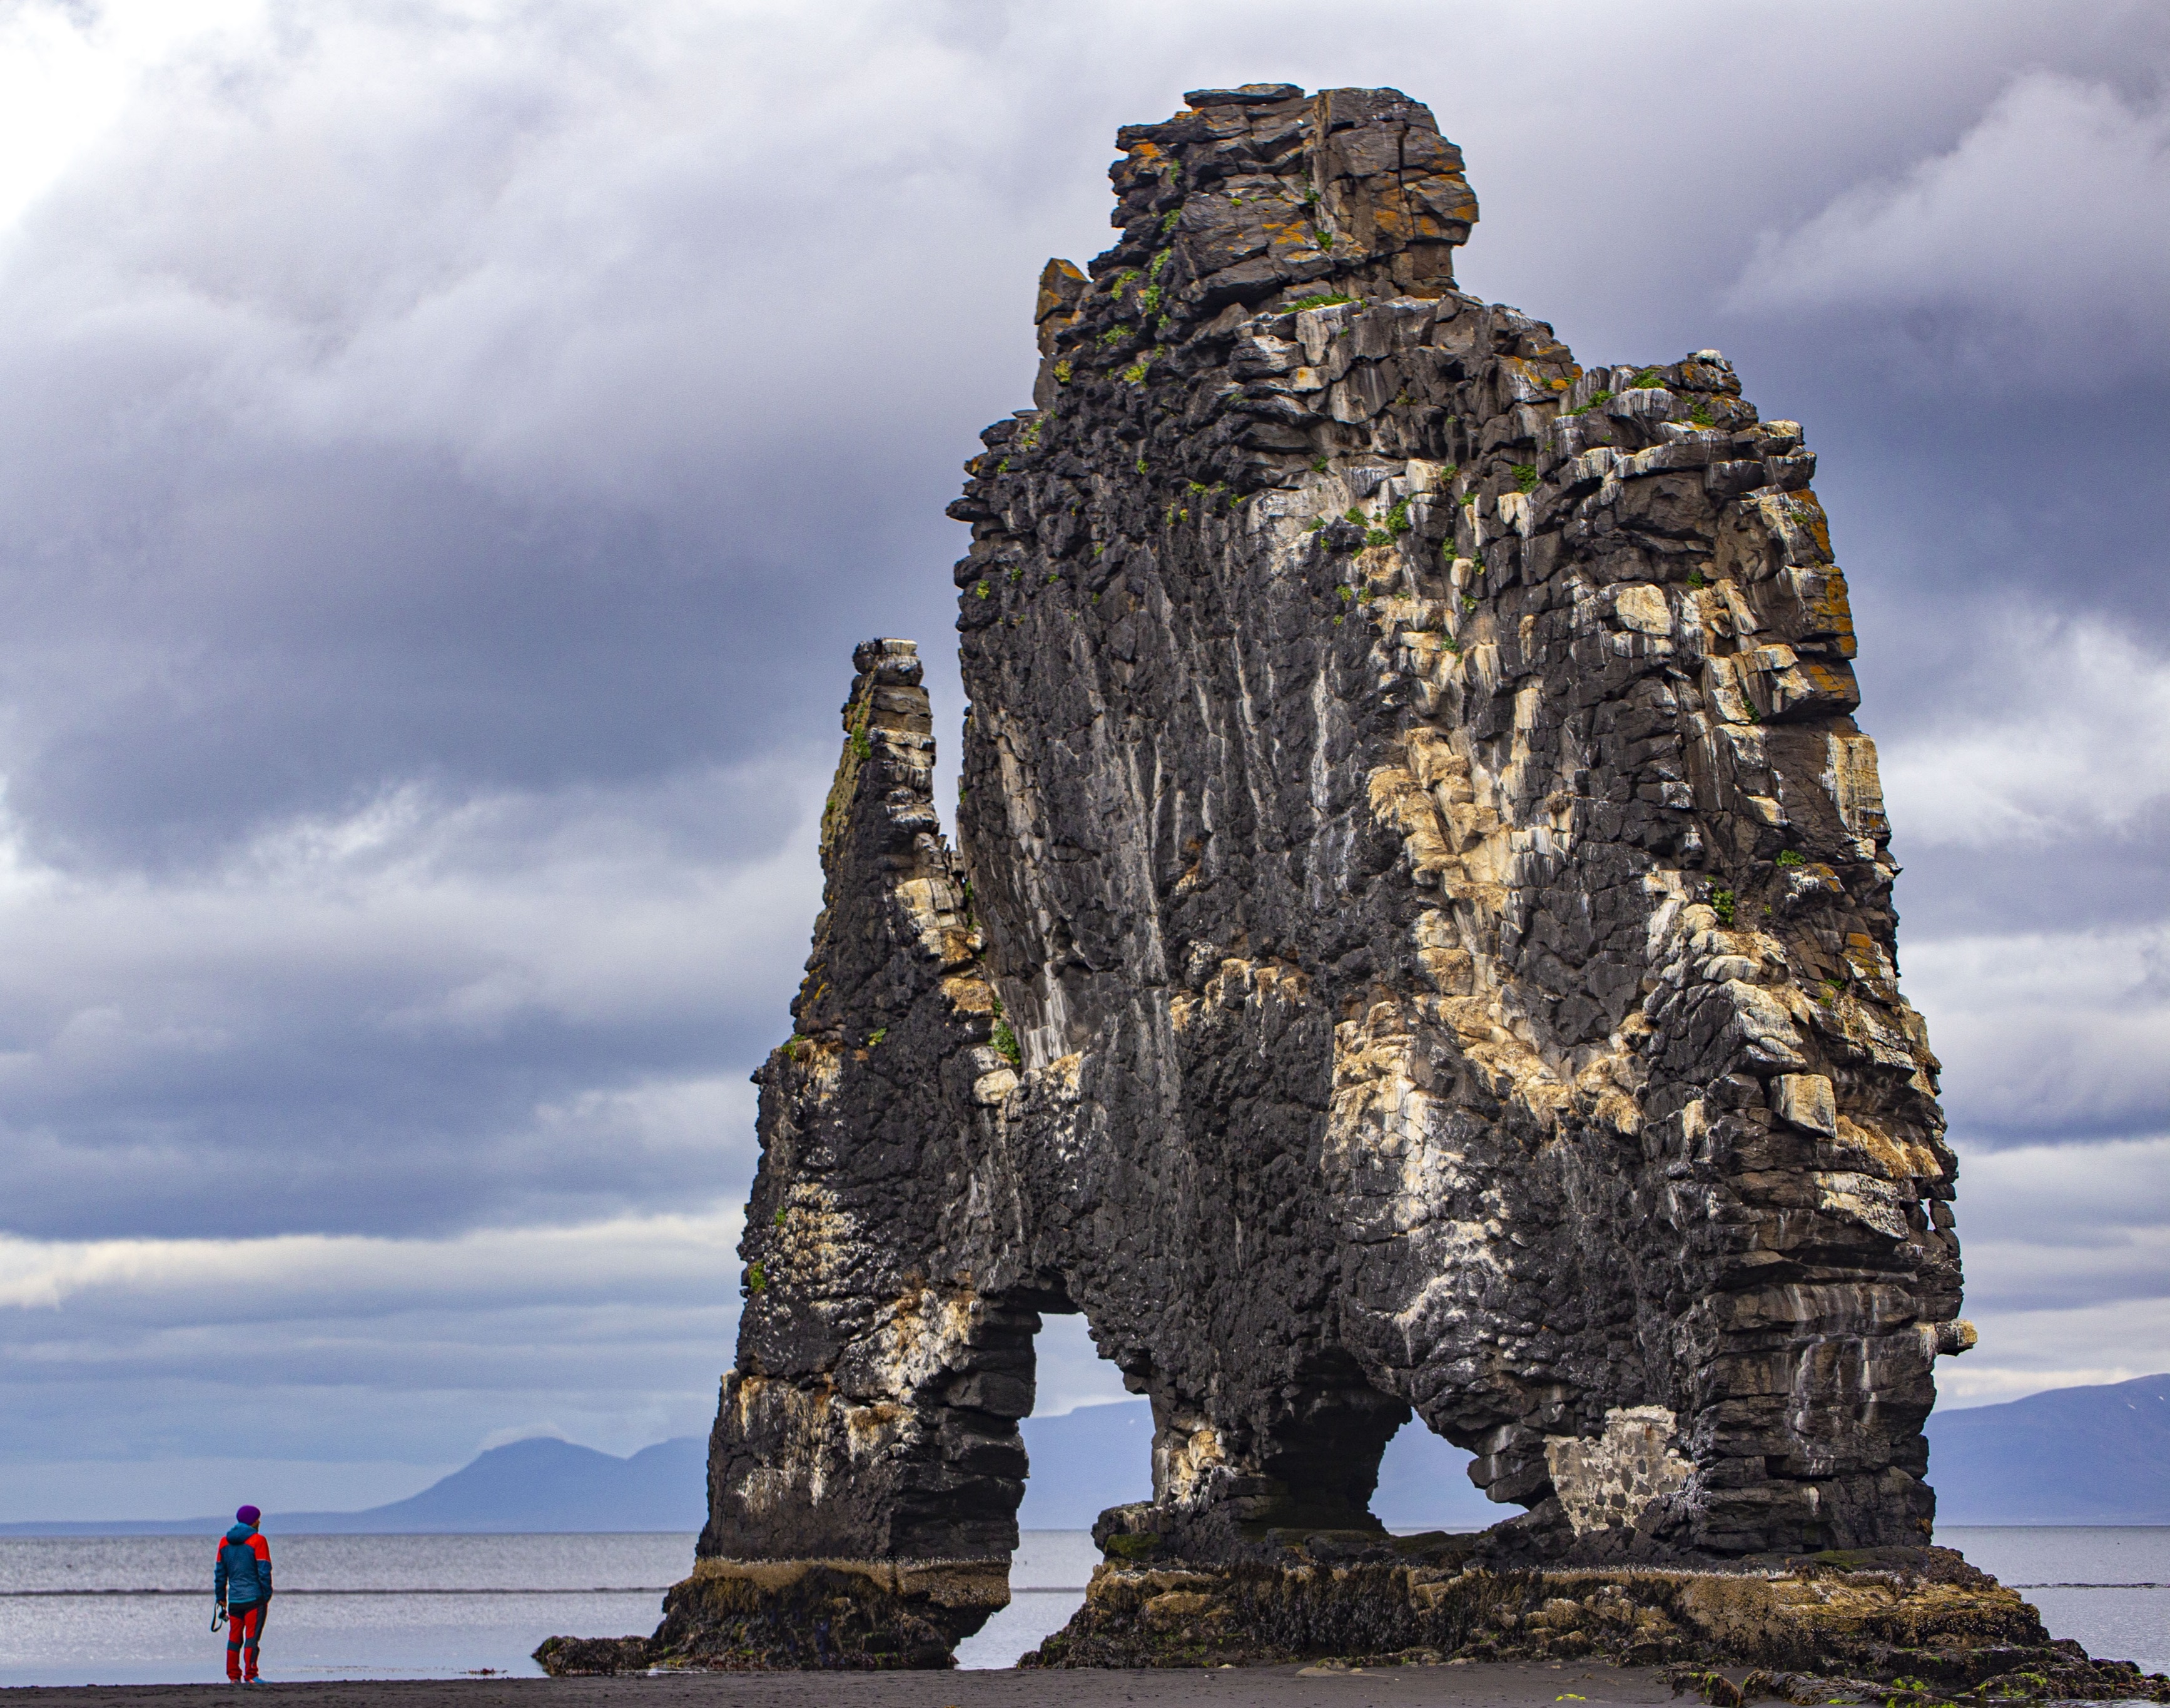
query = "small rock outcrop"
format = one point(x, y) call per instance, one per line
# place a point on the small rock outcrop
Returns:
point(1419, 940)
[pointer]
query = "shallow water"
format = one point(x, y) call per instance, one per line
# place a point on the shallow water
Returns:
point(2106, 1588)
point(137, 1610)
point(1048, 1575)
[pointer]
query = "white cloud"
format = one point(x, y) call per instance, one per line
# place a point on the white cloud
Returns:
point(2045, 1034)
point(1069, 1371)
point(2036, 791)
point(2024, 1352)
point(156, 1019)
point(2037, 245)
point(520, 1431)
point(67, 71)
point(2067, 1252)
point(2057, 731)
point(2080, 1196)
point(328, 1350)
point(543, 243)
point(313, 1276)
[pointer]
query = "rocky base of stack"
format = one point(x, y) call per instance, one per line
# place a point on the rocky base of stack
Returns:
point(801, 1615)
point(1921, 1617)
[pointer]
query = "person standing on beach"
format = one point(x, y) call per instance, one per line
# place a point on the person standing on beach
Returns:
point(242, 1582)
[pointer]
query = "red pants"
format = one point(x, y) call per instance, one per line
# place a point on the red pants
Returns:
point(244, 1628)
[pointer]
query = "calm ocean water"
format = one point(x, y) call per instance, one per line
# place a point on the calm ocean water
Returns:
point(137, 1610)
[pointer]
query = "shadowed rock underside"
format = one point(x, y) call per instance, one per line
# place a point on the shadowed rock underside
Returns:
point(1428, 948)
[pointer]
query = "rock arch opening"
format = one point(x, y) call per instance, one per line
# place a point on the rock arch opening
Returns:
point(1088, 1441)
point(1424, 1485)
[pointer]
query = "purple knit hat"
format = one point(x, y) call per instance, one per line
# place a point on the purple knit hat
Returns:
point(248, 1515)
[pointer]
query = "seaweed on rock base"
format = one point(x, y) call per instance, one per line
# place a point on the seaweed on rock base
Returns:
point(755, 1616)
point(1905, 1628)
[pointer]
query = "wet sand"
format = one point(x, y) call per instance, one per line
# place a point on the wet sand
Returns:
point(1476, 1685)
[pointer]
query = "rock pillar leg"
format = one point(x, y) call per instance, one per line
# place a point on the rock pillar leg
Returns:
point(865, 1468)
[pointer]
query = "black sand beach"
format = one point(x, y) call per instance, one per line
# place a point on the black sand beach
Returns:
point(1476, 1685)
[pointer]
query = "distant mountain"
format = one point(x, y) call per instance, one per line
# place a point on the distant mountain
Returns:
point(2069, 1456)
point(543, 1485)
point(538, 1485)
point(1095, 1457)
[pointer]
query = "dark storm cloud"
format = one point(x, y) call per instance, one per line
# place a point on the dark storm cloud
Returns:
point(446, 455)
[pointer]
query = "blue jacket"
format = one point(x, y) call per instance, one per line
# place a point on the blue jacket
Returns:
point(242, 1575)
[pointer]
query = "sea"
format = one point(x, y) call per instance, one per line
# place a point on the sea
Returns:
point(137, 1610)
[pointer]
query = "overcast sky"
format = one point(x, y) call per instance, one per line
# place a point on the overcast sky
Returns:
point(449, 447)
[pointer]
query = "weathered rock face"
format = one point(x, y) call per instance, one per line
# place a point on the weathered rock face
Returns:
point(870, 1425)
point(1427, 947)
point(1438, 884)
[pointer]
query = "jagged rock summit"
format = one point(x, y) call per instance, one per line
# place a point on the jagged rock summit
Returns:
point(1420, 939)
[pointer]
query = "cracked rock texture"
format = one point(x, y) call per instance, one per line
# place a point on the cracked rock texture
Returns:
point(1429, 945)
point(1919, 1614)
point(1435, 875)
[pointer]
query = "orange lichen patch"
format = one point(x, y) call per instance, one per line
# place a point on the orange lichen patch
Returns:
point(970, 993)
point(1828, 683)
point(1828, 608)
point(1060, 281)
point(1899, 1159)
point(1286, 235)
point(1809, 511)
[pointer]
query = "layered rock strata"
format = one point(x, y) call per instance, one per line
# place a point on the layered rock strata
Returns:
point(1438, 884)
point(1428, 949)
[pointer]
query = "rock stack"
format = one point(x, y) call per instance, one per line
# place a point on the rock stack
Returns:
point(1420, 941)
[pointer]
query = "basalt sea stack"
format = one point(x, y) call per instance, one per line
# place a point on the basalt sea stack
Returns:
point(1419, 939)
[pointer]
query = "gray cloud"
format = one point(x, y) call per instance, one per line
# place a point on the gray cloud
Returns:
point(410, 1018)
point(362, 1348)
point(448, 453)
point(2028, 256)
